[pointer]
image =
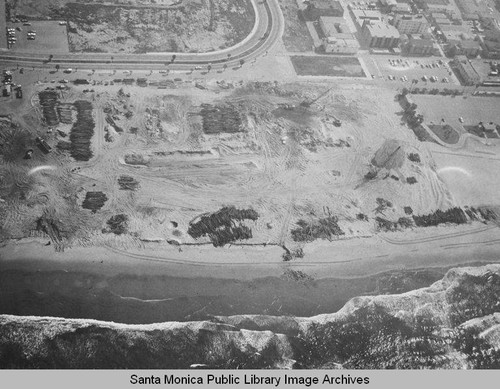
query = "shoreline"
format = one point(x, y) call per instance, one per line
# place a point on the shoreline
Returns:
point(434, 247)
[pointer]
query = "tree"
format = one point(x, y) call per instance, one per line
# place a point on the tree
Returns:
point(50, 57)
point(58, 67)
point(242, 61)
point(225, 66)
point(174, 57)
point(209, 67)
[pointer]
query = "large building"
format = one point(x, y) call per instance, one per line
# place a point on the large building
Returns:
point(411, 24)
point(418, 45)
point(380, 35)
point(443, 6)
point(362, 15)
point(338, 37)
point(466, 71)
point(314, 9)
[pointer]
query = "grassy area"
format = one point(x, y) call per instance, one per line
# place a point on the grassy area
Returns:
point(446, 133)
point(327, 66)
point(296, 37)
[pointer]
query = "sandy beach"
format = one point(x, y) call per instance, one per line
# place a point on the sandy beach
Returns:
point(349, 258)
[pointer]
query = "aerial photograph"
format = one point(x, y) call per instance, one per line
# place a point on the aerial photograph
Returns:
point(250, 184)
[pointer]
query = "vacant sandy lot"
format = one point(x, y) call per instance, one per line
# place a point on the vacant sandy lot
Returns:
point(471, 177)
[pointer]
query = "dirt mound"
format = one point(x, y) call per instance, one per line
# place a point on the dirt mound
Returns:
point(391, 155)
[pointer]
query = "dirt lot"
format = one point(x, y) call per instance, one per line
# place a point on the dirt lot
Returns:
point(158, 159)
point(296, 37)
point(195, 27)
point(327, 66)
point(50, 37)
point(471, 178)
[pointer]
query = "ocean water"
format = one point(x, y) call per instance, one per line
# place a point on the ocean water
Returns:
point(142, 299)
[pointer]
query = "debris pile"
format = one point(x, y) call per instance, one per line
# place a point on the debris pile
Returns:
point(325, 228)
point(49, 226)
point(82, 131)
point(94, 201)
point(48, 101)
point(128, 183)
point(224, 226)
point(118, 224)
point(223, 118)
point(65, 112)
point(454, 215)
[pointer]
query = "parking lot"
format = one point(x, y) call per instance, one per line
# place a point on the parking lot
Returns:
point(471, 109)
point(3, 26)
point(406, 69)
point(50, 38)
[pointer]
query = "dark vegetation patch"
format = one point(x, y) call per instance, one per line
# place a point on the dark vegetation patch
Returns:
point(454, 215)
point(414, 157)
point(445, 132)
point(48, 101)
point(325, 228)
point(128, 183)
point(118, 224)
point(327, 66)
point(82, 131)
point(408, 210)
point(94, 201)
point(224, 226)
point(411, 180)
point(220, 118)
point(387, 225)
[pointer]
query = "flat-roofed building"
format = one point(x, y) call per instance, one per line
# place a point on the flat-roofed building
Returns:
point(411, 24)
point(338, 38)
point(466, 71)
point(361, 15)
point(314, 9)
point(380, 35)
point(419, 45)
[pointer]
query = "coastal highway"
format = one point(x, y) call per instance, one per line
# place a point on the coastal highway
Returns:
point(268, 28)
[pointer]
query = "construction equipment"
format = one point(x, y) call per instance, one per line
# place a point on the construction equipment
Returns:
point(43, 145)
point(307, 104)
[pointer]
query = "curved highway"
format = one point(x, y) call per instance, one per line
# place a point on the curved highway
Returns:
point(269, 26)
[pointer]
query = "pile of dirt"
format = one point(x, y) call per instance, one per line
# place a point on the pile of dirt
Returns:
point(391, 155)
point(82, 131)
point(224, 226)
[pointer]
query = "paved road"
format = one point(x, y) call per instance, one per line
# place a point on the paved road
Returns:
point(268, 29)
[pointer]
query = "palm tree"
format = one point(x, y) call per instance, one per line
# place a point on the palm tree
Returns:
point(174, 57)
point(209, 67)
point(58, 67)
point(242, 61)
